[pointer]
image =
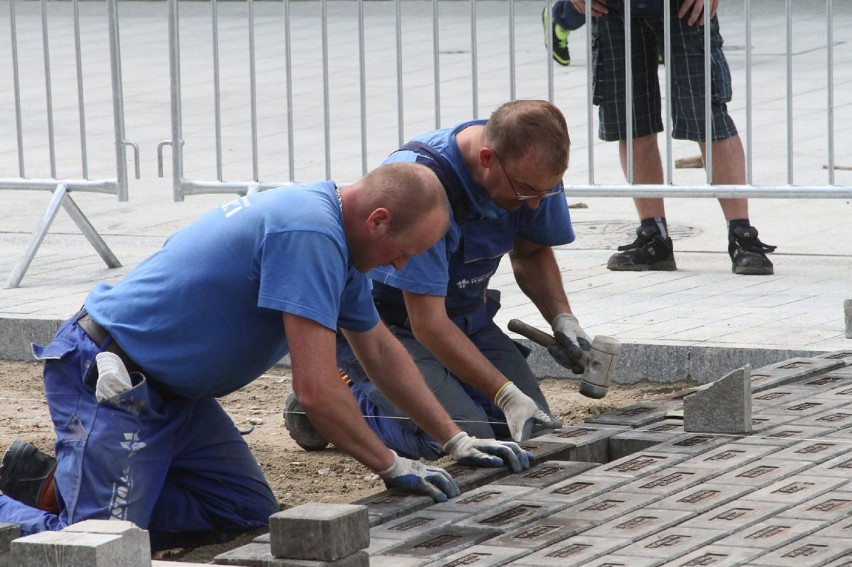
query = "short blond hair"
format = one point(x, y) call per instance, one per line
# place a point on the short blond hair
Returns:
point(410, 191)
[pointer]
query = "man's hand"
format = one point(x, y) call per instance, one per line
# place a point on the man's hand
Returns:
point(475, 452)
point(522, 412)
point(695, 10)
point(599, 7)
point(417, 478)
point(573, 343)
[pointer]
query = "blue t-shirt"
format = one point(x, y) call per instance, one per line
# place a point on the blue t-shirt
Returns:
point(460, 265)
point(203, 315)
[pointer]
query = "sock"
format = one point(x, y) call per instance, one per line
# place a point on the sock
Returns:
point(737, 223)
point(659, 222)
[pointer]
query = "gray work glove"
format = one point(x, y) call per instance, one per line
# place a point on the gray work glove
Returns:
point(573, 344)
point(522, 412)
point(418, 478)
point(476, 452)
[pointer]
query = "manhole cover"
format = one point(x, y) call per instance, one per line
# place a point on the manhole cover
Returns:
point(611, 234)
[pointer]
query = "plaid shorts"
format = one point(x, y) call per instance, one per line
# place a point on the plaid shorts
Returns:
point(687, 71)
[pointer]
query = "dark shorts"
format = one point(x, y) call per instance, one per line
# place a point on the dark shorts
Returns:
point(687, 71)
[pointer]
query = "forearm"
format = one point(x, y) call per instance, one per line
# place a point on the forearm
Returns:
point(538, 276)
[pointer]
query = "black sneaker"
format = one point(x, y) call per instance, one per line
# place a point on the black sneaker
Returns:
point(26, 474)
point(301, 429)
point(748, 253)
point(650, 251)
point(557, 35)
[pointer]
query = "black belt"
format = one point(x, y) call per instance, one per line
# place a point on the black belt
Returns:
point(99, 336)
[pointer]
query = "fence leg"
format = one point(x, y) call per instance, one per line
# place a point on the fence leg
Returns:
point(60, 198)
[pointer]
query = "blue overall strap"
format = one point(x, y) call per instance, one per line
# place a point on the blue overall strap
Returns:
point(446, 175)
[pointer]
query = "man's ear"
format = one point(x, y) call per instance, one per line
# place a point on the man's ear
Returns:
point(486, 155)
point(378, 223)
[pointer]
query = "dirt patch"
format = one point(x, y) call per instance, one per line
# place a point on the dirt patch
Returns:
point(296, 476)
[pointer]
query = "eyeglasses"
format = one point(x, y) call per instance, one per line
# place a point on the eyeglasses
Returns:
point(518, 197)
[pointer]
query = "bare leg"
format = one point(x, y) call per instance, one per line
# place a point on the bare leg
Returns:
point(729, 169)
point(647, 170)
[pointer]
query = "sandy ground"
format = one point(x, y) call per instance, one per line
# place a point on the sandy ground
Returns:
point(296, 476)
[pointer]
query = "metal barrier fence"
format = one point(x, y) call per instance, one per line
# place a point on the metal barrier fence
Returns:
point(34, 129)
point(454, 27)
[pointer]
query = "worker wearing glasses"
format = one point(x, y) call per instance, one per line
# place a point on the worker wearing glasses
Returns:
point(503, 178)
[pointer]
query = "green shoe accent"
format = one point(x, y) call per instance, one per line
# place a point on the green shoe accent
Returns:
point(559, 36)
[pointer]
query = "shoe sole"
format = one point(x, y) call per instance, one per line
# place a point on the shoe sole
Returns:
point(657, 267)
point(753, 270)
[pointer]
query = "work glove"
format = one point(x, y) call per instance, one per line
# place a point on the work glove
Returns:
point(417, 478)
point(475, 452)
point(522, 412)
point(573, 344)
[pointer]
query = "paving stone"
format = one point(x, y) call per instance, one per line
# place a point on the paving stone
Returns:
point(845, 561)
point(815, 451)
point(778, 396)
point(416, 524)
point(61, 549)
point(838, 417)
point(391, 504)
point(640, 523)
point(840, 393)
point(844, 434)
point(548, 450)
point(834, 379)
point(701, 498)
point(8, 532)
point(591, 441)
point(693, 444)
point(762, 473)
point(771, 533)
point(482, 498)
point(642, 464)
point(260, 555)
point(716, 554)
point(764, 422)
point(396, 561)
point(793, 433)
point(441, 543)
point(607, 506)
point(641, 438)
point(512, 515)
point(134, 539)
point(319, 532)
point(638, 415)
point(723, 406)
point(671, 480)
point(839, 466)
point(834, 505)
point(481, 556)
point(579, 488)
point(615, 560)
point(546, 474)
point(844, 355)
point(469, 478)
point(672, 543)
point(805, 552)
point(730, 455)
point(841, 530)
point(804, 408)
point(791, 370)
point(735, 515)
point(574, 551)
point(541, 533)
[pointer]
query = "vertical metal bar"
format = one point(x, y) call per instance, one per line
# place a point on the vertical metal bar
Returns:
point(789, 92)
point(80, 99)
point(253, 93)
point(548, 34)
point(590, 117)
point(326, 110)
point(288, 74)
point(217, 97)
point(118, 102)
point(829, 9)
point(749, 124)
point(177, 119)
point(51, 145)
point(512, 73)
point(667, 56)
point(362, 66)
point(628, 84)
point(474, 72)
point(708, 96)
point(400, 117)
point(13, 25)
point(436, 62)
point(47, 219)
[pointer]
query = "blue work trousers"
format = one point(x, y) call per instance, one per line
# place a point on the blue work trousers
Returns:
point(472, 411)
point(176, 467)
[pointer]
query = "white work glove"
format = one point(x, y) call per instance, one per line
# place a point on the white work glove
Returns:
point(475, 452)
point(573, 343)
point(417, 478)
point(113, 378)
point(522, 412)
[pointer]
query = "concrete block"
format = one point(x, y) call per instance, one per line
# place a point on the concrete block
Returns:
point(672, 543)
point(608, 506)
point(791, 370)
point(547, 450)
point(591, 441)
point(764, 422)
point(809, 550)
point(416, 524)
point(693, 444)
point(441, 543)
point(469, 478)
point(838, 417)
point(396, 561)
point(576, 550)
point(512, 515)
point(839, 466)
point(260, 555)
point(779, 396)
point(831, 506)
point(642, 464)
point(814, 451)
point(61, 549)
point(546, 474)
point(723, 406)
point(482, 498)
point(638, 415)
point(730, 455)
point(792, 434)
point(541, 533)
point(640, 523)
point(716, 554)
point(616, 560)
point(635, 440)
point(847, 317)
point(795, 490)
point(841, 529)
point(805, 408)
point(734, 516)
point(701, 498)
point(482, 556)
point(840, 393)
point(134, 539)
point(762, 473)
point(319, 532)
point(834, 379)
point(844, 355)
point(671, 480)
point(390, 504)
point(771, 533)
point(8, 532)
point(579, 488)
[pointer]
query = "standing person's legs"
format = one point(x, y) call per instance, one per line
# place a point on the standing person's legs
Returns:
point(564, 18)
